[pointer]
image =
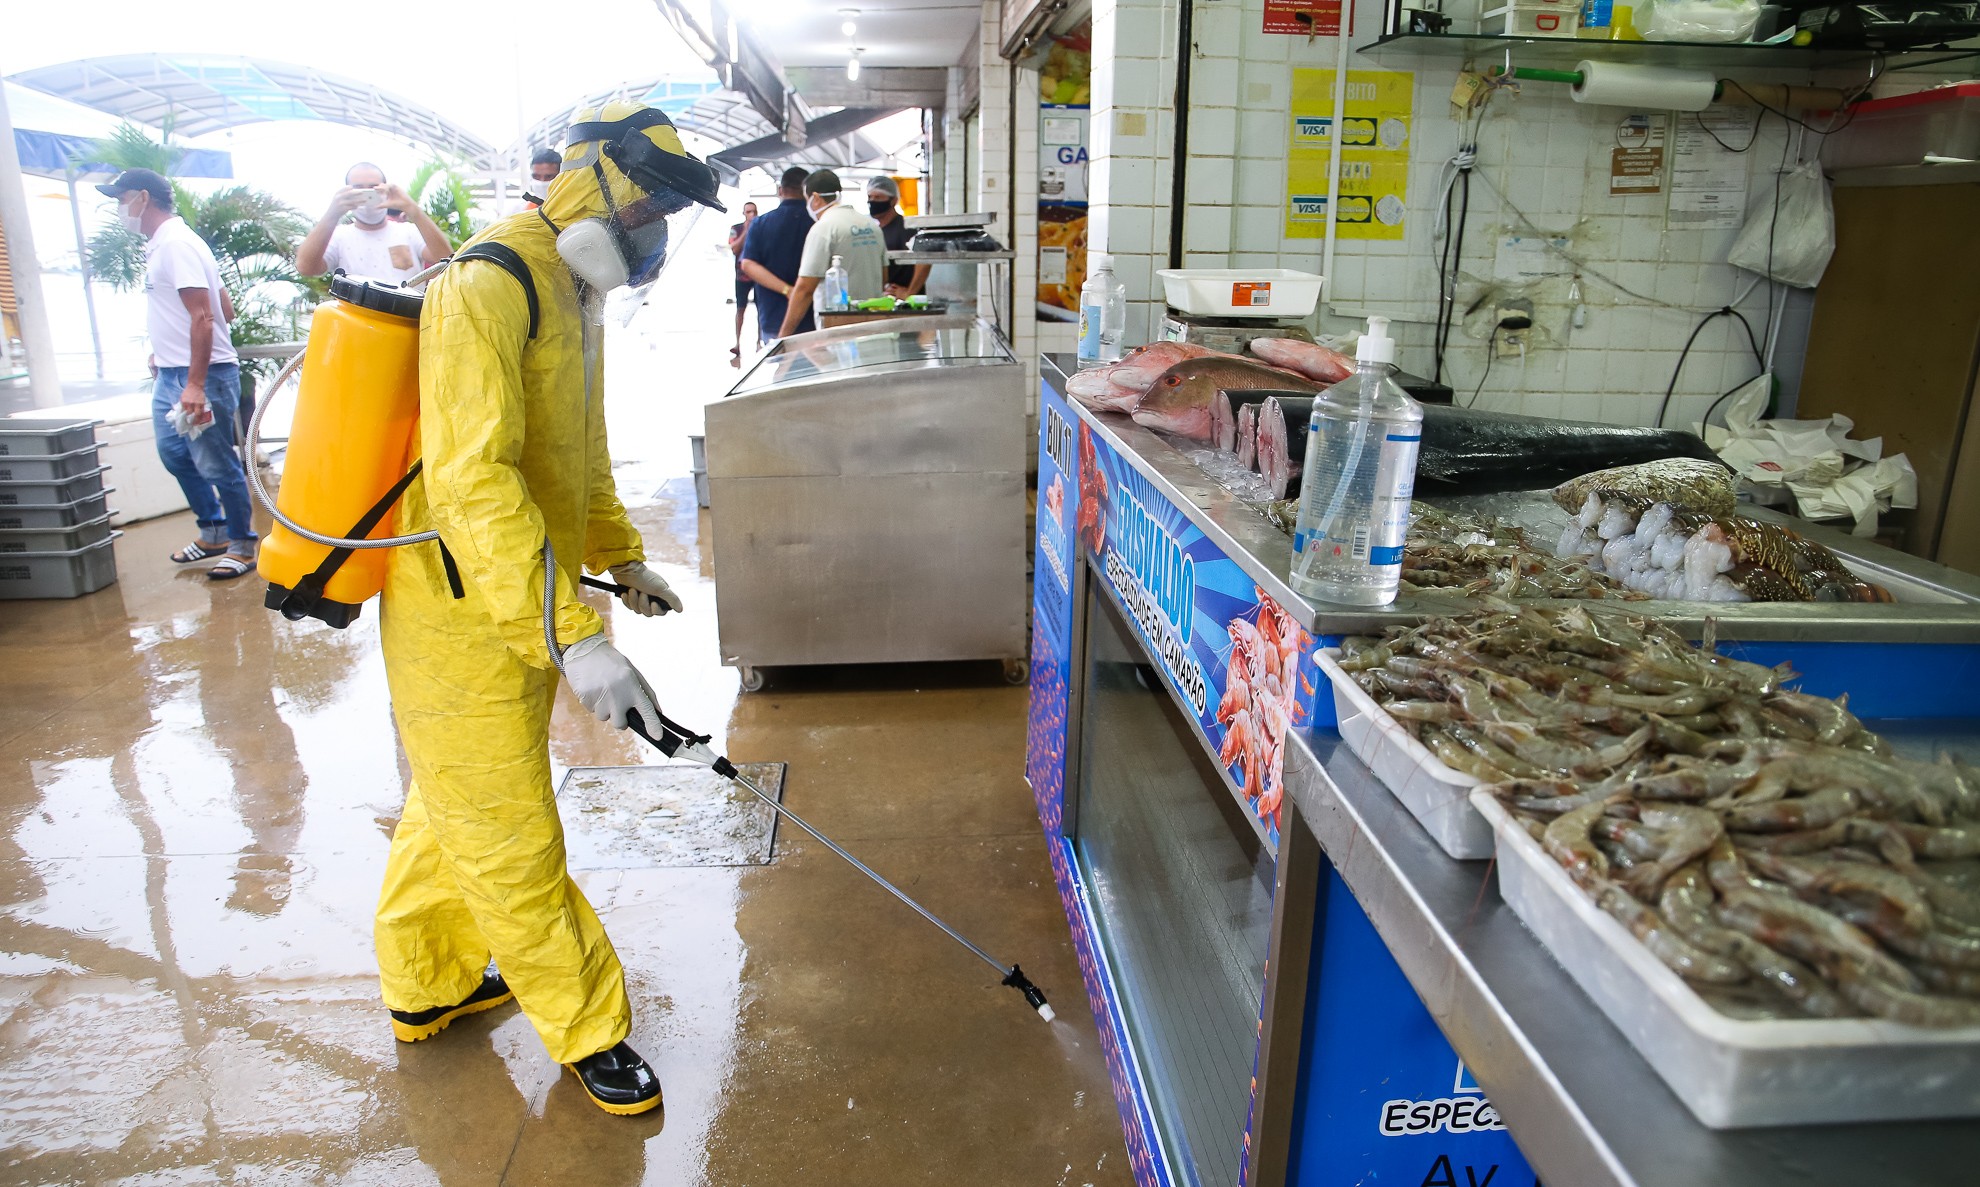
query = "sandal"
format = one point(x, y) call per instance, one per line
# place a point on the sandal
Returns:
point(196, 552)
point(230, 567)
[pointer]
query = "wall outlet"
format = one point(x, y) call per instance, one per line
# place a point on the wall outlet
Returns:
point(1512, 324)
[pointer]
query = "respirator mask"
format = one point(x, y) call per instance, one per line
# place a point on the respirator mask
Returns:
point(630, 247)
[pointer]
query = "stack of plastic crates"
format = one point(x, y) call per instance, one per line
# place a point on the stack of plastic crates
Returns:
point(55, 534)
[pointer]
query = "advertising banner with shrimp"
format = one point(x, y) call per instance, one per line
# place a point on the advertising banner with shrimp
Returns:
point(1241, 664)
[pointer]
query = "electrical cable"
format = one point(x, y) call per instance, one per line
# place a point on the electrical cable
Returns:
point(1491, 348)
point(1752, 340)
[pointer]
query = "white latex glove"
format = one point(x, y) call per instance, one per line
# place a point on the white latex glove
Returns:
point(607, 683)
point(646, 591)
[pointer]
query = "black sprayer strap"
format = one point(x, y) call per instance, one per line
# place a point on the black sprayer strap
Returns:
point(453, 572)
point(505, 257)
point(307, 592)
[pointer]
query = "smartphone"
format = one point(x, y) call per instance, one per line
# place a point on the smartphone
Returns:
point(373, 199)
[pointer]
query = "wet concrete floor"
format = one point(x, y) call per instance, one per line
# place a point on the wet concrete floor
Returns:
point(195, 801)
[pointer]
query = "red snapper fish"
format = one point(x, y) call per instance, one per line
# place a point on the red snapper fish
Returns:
point(1180, 402)
point(1310, 359)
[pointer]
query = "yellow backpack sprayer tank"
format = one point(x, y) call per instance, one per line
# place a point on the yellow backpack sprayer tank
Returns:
point(353, 448)
point(349, 449)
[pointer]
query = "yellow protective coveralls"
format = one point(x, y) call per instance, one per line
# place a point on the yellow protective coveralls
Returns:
point(514, 446)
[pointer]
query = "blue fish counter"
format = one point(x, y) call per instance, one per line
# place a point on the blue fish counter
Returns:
point(1291, 983)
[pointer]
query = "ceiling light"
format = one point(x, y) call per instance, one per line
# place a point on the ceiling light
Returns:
point(852, 66)
point(851, 23)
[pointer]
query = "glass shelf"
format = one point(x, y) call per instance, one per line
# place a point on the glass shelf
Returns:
point(1566, 51)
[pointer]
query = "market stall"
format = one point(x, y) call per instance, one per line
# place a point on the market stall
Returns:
point(1295, 982)
point(866, 489)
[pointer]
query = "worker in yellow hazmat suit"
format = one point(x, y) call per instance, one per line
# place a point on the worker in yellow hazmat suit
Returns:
point(516, 472)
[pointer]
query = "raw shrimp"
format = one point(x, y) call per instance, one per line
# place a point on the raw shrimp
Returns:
point(1687, 833)
point(1567, 842)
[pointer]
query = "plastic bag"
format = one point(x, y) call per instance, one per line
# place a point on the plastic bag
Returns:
point(1698, 20)
point(1815, 464)
point(1794, 244)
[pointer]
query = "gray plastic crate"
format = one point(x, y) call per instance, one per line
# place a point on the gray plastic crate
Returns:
point(48, 468)
point(49, 492)
point(45, 438)
point(68, 574)
point(83, 535)
point(57, 515)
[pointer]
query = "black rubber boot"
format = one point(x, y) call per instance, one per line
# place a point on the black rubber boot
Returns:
point(618, 1080)
point(412, 1026)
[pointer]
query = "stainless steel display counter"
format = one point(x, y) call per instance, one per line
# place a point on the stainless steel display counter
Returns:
point(866, 491)
point(1583, 1107)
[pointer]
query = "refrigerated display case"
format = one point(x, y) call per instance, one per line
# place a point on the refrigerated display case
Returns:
point(867, 497)
point(1293, 982)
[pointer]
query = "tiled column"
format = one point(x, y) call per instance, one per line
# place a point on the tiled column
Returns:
point(1134, 82)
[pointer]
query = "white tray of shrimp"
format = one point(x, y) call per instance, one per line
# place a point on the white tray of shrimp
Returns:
point(1435, 794)
point(1732, 1073)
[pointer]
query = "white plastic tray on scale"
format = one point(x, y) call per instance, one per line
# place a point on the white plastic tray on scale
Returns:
point(1436, 795)
point(1241, 292)
point(1732, 1073)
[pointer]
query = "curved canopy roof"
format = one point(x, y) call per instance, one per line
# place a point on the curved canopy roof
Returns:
point(202, 93)
point(726, 117)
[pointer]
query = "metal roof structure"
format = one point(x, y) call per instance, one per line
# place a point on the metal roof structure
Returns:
point(721, 115)
point(202, 93)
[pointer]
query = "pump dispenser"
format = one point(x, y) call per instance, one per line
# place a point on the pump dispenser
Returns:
point(1360, 475)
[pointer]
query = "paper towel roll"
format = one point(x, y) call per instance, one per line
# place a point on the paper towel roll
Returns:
point(1621, 84)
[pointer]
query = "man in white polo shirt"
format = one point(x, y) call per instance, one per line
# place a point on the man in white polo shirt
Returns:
point(840, 231)
point(372, 245)
point(196, 372)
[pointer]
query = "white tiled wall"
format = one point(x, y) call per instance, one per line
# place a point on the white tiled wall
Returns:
point(1008, 185)
point(1134, 83)
point(1546, 153)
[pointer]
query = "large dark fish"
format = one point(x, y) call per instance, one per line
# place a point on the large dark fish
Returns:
point(1180, 400)
point(1469, 452)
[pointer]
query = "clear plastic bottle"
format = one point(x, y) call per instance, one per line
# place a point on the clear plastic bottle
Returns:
point(1102, 313)
point(1360, 474)
point(834, 290)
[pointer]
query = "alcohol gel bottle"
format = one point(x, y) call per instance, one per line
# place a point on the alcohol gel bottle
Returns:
point(1360, 473)
point(836, 297)
point(1102, 314)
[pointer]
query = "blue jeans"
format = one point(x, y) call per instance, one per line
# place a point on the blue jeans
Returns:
point(208, 469)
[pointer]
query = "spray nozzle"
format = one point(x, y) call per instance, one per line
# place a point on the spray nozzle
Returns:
point(1376, 346)
point(1033, 996)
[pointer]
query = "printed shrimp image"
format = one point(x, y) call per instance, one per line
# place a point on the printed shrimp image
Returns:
point(1095, 499)
point(1261, 701)
point(1055, 500)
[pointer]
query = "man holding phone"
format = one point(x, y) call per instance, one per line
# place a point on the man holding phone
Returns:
point(373, 245)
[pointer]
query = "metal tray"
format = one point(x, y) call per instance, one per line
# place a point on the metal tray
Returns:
point(949, 222)
point(1732, 1073)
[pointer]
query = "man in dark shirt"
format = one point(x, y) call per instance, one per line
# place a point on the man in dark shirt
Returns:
point(772, 251)
point(883, 197)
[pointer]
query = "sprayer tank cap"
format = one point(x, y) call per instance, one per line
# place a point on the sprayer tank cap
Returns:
point(1376, 346)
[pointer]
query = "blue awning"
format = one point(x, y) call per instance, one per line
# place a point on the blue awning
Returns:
point(47, 154)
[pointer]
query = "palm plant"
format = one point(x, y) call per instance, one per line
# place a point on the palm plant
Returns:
point(253, 236)
point(450, 203)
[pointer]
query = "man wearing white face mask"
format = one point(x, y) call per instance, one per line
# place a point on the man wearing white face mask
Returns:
point(371, 245)
point(196, 375)
point(840, 232)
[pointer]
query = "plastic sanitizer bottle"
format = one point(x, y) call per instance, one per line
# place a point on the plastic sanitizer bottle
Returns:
point(1360, 473)
point(1102, 314)
point(836, 286)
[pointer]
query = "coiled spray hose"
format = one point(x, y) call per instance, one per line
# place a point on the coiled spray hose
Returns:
point(252, 446)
